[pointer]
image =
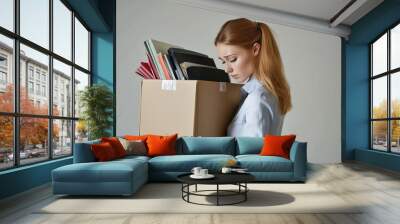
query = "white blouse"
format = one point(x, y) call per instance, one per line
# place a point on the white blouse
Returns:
point(259, 113)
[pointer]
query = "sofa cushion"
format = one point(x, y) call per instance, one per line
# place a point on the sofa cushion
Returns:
point(103, 152)
point(111, 171)
point(257, 163)
point(249, 145)
point(116, 145)
point(136, 137)
point(134, 147)
point(206, 145)
point(277, 145)
point(185, 163)
point(161, 145)
point(133, 158)
point(83, 152)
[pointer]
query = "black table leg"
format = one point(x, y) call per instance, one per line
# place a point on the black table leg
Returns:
point(182, 190)
point(245, 193)
point(188, 190)
point(217, 194)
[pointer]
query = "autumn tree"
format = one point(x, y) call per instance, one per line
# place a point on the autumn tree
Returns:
point(33, 130)
point(380, 127)
point(396, 123)
point(6, 122)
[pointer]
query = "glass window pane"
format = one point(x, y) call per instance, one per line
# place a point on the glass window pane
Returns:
point(81, 81)
point(379, 100)
point(35, 21)
point(34, 78)
point(395, 136)
point(7, 14)
point(81, 45)
point(379, 55)
point(379, 135)
point(81, 131)
point(62, 89)
point(6, 74)
point(395, 47)
point(395, 94)
point(6, 142)
point(62, 138)
point(62, 29)
point(33, 140)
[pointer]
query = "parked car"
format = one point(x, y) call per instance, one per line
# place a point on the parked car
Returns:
point(36, 154)
point(22, 155)
point(10, 156)
point(57, 152)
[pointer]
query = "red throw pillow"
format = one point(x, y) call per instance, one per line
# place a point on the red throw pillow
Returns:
point(116, 145)
point(161, 145)
point(277, 145)
point(103, 151)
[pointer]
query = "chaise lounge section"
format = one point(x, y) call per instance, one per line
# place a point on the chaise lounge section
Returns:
point(88, 177)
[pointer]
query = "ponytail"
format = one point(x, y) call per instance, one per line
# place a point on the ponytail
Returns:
point(270, 69)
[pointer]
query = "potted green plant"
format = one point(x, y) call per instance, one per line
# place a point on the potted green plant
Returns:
point(96, 102)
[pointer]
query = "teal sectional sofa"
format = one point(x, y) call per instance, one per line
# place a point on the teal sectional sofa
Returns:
point(125, 176)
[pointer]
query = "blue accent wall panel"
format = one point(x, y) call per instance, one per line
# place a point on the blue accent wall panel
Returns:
point(102, 58)
point(381, 159)
point(357, 99)
point(90, 12)
point(24, 178)
point(375, 22)
point(103, 62)
point(356, 90)
point(103, 53)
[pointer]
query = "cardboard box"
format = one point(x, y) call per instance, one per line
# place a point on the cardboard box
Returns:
point(187, 107)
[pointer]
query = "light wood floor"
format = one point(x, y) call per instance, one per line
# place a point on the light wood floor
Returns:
point(378, 188)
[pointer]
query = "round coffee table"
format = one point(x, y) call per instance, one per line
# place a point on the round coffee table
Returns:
point(238, 179)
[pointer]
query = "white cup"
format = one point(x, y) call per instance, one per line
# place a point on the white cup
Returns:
point(203, 172)
point(196, 170)
point(226, 170)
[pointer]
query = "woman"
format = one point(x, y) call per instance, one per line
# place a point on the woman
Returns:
point(251, 56)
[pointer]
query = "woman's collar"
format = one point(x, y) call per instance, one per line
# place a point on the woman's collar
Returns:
point(251, 84)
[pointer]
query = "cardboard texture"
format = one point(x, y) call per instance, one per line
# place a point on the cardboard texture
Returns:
point(187, 107)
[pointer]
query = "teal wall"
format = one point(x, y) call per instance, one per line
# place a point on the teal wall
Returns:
point(99, 15)
point(356, 105)
point(24, 178)
point(103, 64)
point(102, 59)
point(356, 86)
point(103, 52)
point(381, 159)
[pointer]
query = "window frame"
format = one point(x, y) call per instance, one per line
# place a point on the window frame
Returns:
point(16, 114)
point(3, 77)
point(388, 74)
point(5, 58)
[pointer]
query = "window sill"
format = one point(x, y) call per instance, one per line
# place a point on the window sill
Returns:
point(26, 167)
point(382, 159)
